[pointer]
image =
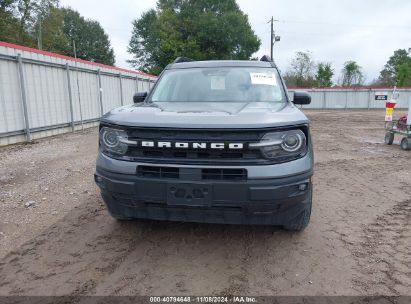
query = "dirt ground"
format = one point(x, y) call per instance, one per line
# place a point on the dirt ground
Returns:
point(56, 237)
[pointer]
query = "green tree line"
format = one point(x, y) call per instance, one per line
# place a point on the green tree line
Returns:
point(305, 72)
point(397, 70)
point(199, 29)
point(44, 24)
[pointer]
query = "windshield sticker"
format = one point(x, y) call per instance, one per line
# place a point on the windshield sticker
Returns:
point(217, 83)
point(263, 78)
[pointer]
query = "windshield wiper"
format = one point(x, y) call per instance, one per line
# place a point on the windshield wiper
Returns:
point(244, 106)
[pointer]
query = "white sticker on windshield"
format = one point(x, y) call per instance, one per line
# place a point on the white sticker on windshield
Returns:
point(217, 83)
point(263, 78)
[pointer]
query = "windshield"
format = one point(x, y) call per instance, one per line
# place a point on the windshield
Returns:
point(225, 84)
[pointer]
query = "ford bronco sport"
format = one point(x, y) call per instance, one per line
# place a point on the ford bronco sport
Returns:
point(213, 141)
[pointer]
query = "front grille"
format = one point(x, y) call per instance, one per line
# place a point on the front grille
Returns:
point(195, 156)
point(204, 174)
point(224, 174)
point(138, 153)
point(158, 172)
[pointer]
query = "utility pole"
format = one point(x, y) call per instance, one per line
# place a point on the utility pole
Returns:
point(78, 85)
point(39, 37)
point(274, 38)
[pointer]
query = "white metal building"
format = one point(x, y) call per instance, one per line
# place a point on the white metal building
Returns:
point(43, 93)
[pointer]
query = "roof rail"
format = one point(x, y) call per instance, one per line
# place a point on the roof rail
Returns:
point(182, 59)
point(266, 58)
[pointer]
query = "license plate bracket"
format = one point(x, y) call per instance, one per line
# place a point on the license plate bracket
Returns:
point(187, 194)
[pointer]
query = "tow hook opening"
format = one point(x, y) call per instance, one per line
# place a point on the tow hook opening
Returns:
point(98, 179)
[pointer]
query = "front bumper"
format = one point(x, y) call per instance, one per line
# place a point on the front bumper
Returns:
point(268, 201)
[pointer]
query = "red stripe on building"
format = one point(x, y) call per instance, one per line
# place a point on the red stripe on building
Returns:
point(55, 55)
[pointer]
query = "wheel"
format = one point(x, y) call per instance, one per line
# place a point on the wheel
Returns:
point(406, 143)
point(300, 222)
point(389, 138)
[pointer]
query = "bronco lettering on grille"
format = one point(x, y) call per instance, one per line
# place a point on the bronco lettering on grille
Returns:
point(190, 145)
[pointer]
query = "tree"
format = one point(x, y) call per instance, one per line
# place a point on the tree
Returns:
point(395, 70)
point(30, 14)
point(62, 26)
point(21, 20)
point(18, 19)
point(351, 74)
point(9, 24)
point(54, 38)
point(324, 74)
point(301, 72)
point(145, 44)
point(404, 74)
point(98, 44)
point(389, 75)
point(199, 29)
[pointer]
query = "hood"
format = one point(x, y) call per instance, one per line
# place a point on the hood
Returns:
point(206, 115)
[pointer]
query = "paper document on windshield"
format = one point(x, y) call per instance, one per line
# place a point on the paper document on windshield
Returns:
point(217, 83)
point(263, 78)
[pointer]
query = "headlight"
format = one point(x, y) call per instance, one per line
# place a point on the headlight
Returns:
point(282, 145)
point(293, 142)
point(113, 140)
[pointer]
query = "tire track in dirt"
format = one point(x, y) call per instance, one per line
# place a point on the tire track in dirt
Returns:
point(384, 254)
point(182, 258)
point(83, 250)
point(380, 247)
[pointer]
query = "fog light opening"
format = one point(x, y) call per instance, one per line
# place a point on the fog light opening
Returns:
point(302, 187)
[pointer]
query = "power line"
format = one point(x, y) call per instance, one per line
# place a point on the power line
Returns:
point(344, 24)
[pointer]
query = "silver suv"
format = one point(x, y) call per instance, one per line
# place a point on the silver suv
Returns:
point(213, 141)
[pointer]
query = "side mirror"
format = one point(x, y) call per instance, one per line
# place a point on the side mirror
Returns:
point(302, 98)
point(139, 97)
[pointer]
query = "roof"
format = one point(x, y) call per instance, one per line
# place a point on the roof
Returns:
point(221, 63)
point(55, 55)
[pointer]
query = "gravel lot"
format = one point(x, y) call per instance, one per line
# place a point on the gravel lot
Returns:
point(57, 238)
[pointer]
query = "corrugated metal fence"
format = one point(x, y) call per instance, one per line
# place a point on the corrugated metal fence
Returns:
point(43, 94)
point(352, 98)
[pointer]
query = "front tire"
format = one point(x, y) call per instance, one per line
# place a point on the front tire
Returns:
point(389, 138)
point(300, 222)
point(406, 143)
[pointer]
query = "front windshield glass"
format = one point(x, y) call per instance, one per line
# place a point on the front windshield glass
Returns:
point(223, 84)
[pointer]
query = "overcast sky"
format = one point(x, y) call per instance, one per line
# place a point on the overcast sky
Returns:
point(367, 31)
